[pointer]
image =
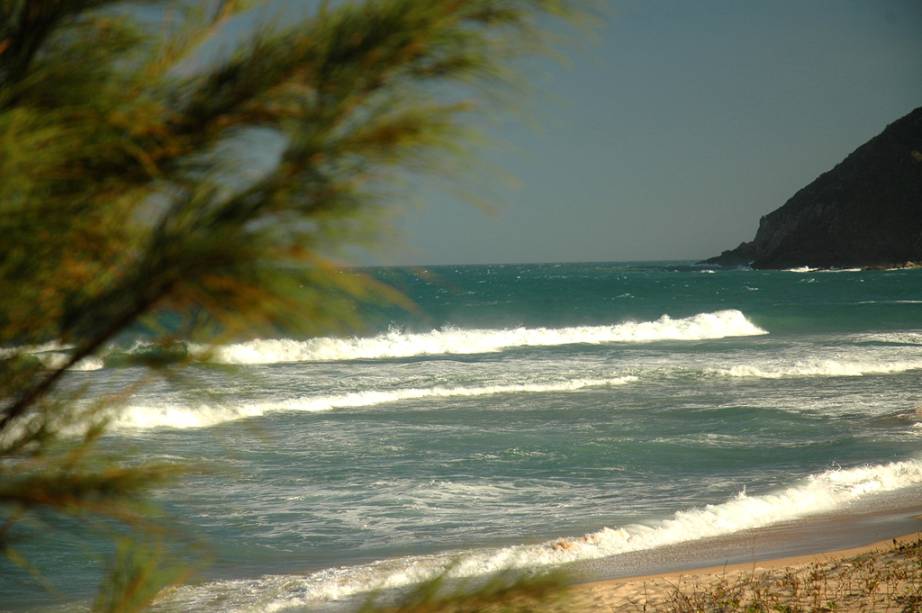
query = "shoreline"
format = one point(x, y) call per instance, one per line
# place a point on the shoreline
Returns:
point(660, 589)
point(761, 564)
point(888, 515)
point(615, 582)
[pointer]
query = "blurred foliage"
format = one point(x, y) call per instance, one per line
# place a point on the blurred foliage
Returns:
point(124, 196)
point(507, 592)
point(136, 574)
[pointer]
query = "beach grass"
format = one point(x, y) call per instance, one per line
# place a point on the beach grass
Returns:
point(888, 580)
point(880, 579)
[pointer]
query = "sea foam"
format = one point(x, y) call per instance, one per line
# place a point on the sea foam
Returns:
point(399, 344)
point(183, 416)
point(892, 338)
point(823, 492)
point(57, 360)
point(801, 269)
point(811, 269)
point(820, 368)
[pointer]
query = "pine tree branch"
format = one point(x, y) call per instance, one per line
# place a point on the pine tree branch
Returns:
point(88, 348)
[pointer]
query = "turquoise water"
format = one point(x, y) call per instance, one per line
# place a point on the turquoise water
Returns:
point(526, 416)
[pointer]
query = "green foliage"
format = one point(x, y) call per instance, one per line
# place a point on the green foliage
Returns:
point(122, 197)
point(137, 573)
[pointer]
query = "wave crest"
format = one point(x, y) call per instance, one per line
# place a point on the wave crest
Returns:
point(182, 416)
point(397, 344)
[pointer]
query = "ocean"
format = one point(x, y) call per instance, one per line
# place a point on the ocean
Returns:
point(531, 416)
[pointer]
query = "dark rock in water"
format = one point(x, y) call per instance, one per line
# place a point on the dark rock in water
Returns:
point(865, 212)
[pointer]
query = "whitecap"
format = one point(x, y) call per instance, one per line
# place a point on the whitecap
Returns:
point(185, 416)
point(401, 344)
point(801, 269)
point(819, 368)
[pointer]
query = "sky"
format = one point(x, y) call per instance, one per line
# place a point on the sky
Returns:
point(672, 130)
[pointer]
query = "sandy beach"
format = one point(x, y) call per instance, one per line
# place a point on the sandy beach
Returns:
point(874, 577)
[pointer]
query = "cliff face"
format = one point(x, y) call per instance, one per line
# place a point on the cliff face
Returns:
point(867, 211)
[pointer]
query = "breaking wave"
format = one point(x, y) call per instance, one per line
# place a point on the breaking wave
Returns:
point(820, 368)
point(398, 344)
point(801, 269)
point(811, 269)
point(401, 344)
point(146, 417)
point(56, 360)
point(822, 492)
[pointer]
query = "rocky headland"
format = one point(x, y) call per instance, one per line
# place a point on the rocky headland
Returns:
point(866, 212)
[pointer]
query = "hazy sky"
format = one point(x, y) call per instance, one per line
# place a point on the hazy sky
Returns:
point(684, 122)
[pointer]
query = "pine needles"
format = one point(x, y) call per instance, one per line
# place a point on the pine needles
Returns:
point(121, 198)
